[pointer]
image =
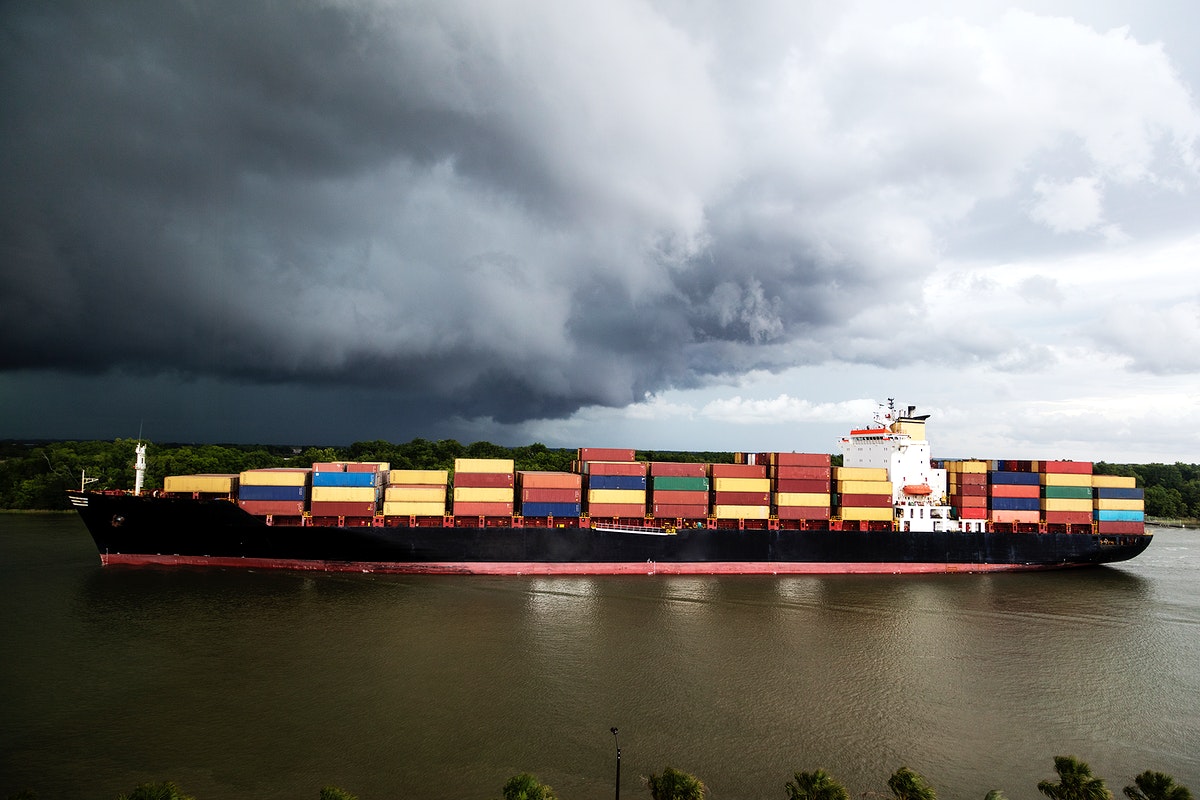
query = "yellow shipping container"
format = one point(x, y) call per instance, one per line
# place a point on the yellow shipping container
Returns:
point(344, 494)
point(397, 508)
point(482, 494)
point(975, 467)
point(1064, 479)
point(741, 512)
point(1065, 504)
point(275, 477)
point(864, 487)
point(415, 494)
point(871, 514)
point(1114, 482)
point(617, 496)
point(806, 499)
point(489, 465)
point(860, 474)
point(1106, 504)
point(741, 484)
point(400, 477)
point(209, 484)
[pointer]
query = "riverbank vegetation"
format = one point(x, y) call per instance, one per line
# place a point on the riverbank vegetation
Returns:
point(36, 475)
point(1075, 782)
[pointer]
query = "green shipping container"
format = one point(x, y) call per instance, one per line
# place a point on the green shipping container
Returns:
point(1067, 492)
point(668, 483)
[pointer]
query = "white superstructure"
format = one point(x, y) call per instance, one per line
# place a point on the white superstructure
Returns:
point(896, 442)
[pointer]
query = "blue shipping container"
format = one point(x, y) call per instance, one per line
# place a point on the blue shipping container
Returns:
point(1119, 494)
point(1014, 479)
point(273, 493)
point(617, 482)
point(1101, 515)
point(345, 478)
point(551, 509)
point(1015, 503)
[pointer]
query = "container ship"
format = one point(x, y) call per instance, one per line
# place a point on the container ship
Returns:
point(889, 508)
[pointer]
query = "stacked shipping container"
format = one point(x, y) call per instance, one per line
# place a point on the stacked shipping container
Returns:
point(616, 483)
point(416, 493)
point(1118, 506)
point(275, 492)
point(484, 487)
point(1014, 493)
point(347, 489)
point(1066, 492)
point(550, 494)
point(801, 484)
point(967, 483)
point(740, 491)
point(863, 493)
point(679, 490)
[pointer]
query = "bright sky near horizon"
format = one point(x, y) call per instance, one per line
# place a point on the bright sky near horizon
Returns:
point(662, 225)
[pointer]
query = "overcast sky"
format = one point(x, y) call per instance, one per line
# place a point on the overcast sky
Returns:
point(673, 225)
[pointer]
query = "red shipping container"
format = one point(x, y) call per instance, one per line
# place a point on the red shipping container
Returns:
point(865, 500)
point(340, 508)
point(803, 512)
point(972, 513)
point(539, 495)
point(601, 510)
point(281, 508)
point(354, 466)
point(1013, 490)
point(967, 501)
point(676, 469)
point(787, 472)
point(969, 491)
point(1069, 517)
point(615, 468)
point(606, 454)
point(803, 486)
point(329, 466)
point(1068, 467)
point(681, 510)
point(739, 470)
point(482, 509)
point(530, 479)
point(969, 478)
point(677, 497)
point(483, 480)
point(800, 459)
point(1023, 517)
point(741, 498)
point(1120, 527)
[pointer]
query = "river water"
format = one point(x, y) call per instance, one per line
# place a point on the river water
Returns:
point(238, 684)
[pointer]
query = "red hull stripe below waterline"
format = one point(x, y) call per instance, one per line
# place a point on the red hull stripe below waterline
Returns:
point(571, 568)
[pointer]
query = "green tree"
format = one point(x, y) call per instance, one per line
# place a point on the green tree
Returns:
point(994, 794)
point(675, 785)
point(156, 791)
point(1075, 782)
point(816, 785)
point(1156, 786)
point(909, 785)
point(334, 793)
point(527, 787)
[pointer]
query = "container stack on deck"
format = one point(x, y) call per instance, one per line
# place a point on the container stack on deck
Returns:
point(348, 490)
point(863, 493)
point(968, 488)
point(484, 487)
point(1014, 493)
point(800, 484)
point(275, 492)
point(1066, 492)
point(741, 491)
point(209, 485)
point(416, 493)
point(550, 494)
point(1118, 506)
point(616, 483)
point(679, 490)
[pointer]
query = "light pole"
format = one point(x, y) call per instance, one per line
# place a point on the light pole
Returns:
point(618, 745)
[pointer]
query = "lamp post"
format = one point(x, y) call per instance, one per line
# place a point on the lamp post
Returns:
point(618, 746)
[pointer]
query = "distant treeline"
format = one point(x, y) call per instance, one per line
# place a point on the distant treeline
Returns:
point(36, 475)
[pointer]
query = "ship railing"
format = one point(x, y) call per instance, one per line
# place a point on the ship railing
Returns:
point(652, 530)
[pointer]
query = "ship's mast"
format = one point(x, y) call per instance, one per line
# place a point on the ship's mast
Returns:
point(139, 468)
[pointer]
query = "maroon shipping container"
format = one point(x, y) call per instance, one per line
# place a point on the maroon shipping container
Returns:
point(865, 500)
point(281, 508)
point(483, 480)
point(803, 512)
point(739, 470)
point(549, 480)
point(681, 510)
point(970, 491)
point(482, 509)
point(969, 478)
point(360, 467)
point(1014, 490)
point(540, 495)
point(1068, 467)
point(968, 501)
point(1120, 527)
point(677, 497)
point(741, 498)
point(801, 459)
point(606, 454)
point(1068, 517)
point(329, 466)
point(787, 472)
point(615, 468)
point(675, 469)
point(800, 485)
point(340, 508)
point(616, 510)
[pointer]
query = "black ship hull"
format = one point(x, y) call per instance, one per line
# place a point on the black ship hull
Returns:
point(173, 531)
